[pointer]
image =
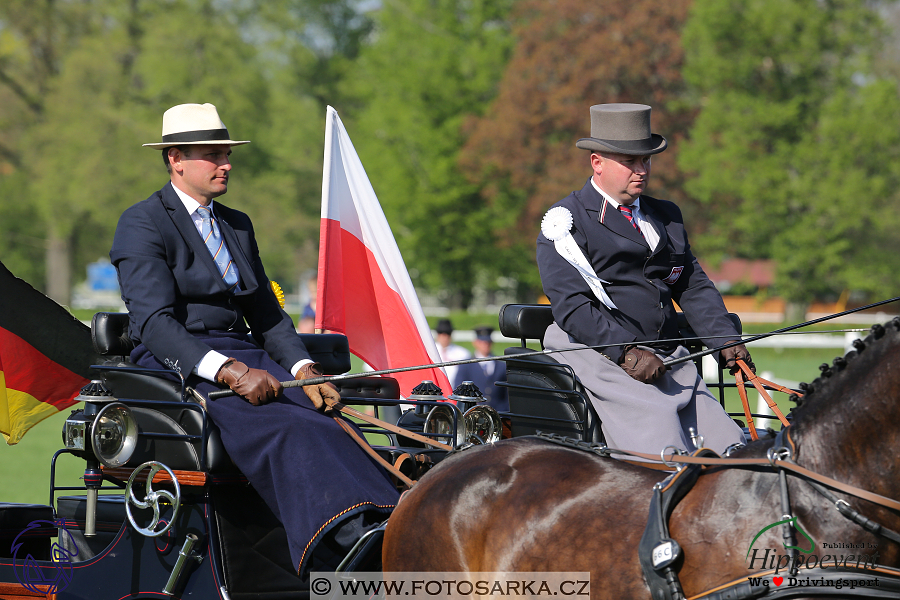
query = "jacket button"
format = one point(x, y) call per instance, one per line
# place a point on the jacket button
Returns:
point(660, 304)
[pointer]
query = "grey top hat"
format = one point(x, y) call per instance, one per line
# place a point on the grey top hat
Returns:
point(189, 124)
point(622, 129)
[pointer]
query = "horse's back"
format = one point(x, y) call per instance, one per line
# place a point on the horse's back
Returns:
point(521, 505)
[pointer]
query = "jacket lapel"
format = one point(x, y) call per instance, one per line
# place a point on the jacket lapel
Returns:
point(187, 229)
point(245, 269)
point(660, 227)
point(611, 218)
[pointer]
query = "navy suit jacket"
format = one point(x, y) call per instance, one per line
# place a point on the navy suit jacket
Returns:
point(495, 395)
point(643, 283)
point(173, 288)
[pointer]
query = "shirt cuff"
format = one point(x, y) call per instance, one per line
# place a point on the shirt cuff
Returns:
point(210, 364)
point(299, 364)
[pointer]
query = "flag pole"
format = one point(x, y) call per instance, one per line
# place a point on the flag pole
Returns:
point(326, 189)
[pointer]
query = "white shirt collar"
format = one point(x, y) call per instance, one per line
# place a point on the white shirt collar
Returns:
point(189, 203)
point(636, 205)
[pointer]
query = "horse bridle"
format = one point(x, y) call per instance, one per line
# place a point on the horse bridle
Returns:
point(780, 457)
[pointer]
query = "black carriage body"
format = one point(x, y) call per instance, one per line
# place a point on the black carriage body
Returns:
point(240, 549)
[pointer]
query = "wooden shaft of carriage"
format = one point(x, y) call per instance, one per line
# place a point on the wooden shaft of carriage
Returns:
point(670, 362)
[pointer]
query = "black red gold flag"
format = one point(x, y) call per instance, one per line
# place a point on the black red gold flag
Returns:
point(45, 357)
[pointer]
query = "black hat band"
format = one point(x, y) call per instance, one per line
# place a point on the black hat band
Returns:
point(202, 135)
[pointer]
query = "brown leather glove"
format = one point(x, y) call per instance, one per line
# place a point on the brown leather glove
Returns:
point(642, 365)
point(256, 385)
point(316, 392)
point(728, 356)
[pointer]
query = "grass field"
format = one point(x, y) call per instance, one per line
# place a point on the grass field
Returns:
point(25, 467)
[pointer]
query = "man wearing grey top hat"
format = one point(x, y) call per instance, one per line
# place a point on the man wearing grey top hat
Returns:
point(612, 261)
point(200, 302)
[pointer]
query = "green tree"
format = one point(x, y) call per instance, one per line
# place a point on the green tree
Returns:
point(431, 65)
point(569, 55)
point(88, 83)
point(790, 154)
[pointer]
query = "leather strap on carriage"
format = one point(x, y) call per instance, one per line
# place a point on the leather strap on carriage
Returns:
point(394, 470)
point(760, 384)
point(336, 405)
point(371, 452)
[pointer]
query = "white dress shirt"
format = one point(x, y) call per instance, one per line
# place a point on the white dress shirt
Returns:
point(646, 227)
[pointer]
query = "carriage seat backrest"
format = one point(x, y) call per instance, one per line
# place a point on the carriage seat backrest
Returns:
point(543, 394)
point(530, 321)
point(109, 334)
point(525, 321)
point(541, 387)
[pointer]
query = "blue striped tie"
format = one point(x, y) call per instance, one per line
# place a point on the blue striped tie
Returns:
point(212, 237)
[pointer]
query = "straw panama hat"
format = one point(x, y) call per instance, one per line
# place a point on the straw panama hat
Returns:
point(191, 124)
point(622, 129)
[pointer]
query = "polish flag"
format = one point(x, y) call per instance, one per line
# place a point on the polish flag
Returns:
point(364, 290)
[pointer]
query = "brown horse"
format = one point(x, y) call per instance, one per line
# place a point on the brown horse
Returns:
point(525, 504)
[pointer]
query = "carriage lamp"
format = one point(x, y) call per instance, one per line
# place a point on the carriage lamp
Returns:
point(446, 420)
point(482, 421)
point(103, 431)
point(414, 419)
point(466, 395)
point(426, 390)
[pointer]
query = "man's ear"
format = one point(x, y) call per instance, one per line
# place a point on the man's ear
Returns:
point(596, 162)
point(175, 155)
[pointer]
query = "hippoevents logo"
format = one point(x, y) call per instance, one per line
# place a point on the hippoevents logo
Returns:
point(806, 557)
point(31, 574)
point(793, 523)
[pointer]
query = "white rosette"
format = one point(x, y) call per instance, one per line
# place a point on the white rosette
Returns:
point(556, 227)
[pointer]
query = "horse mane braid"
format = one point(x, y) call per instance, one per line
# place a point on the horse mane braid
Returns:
point(877, 333)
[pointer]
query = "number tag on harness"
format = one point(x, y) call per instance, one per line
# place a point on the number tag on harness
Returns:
point(665, 553)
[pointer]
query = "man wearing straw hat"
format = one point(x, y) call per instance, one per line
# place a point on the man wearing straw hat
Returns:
point(612, 260)
point(192, 279)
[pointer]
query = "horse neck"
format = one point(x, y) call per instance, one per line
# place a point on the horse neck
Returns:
point(847, 425)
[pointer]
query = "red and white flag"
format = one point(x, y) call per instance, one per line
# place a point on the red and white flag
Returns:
point(364, 290)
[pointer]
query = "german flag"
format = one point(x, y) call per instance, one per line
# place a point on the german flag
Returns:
point(45, 355)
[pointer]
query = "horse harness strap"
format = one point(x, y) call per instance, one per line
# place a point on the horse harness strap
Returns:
point(774, 459)
point(658, 553)
point(760, 384)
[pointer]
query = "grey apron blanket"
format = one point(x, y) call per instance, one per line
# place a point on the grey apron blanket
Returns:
point(647, 417)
